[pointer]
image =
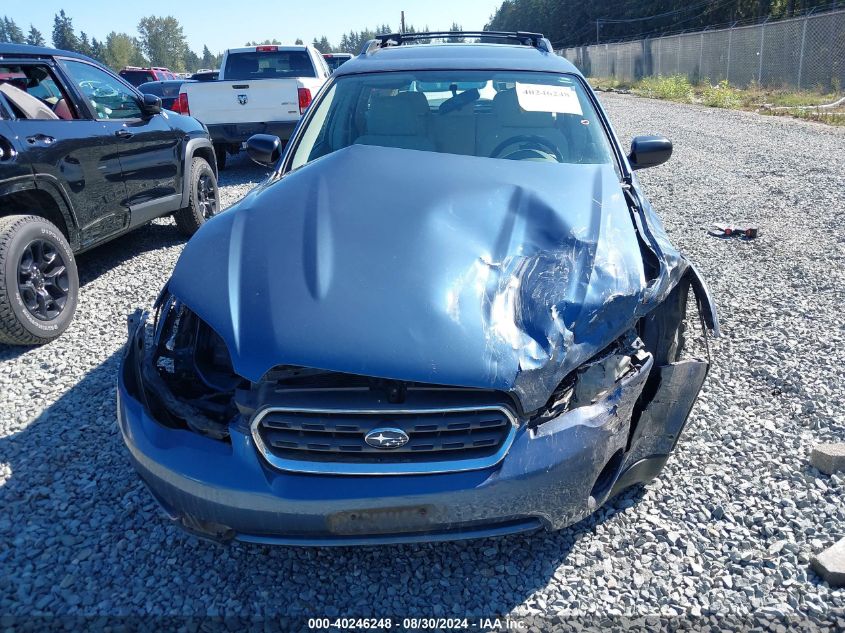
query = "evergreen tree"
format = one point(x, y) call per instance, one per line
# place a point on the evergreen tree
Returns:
point(208, 60)
point(35, 38)
point(85, 45)
point(63, 35)
point(11, 32)
point(98, 50)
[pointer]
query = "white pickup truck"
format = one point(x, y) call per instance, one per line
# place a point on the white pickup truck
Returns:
point(261, 89)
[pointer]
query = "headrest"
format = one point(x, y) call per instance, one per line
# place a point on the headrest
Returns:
point(404, 114)
point(510, 114)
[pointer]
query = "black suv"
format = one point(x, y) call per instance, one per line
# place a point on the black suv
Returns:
point(84, 157)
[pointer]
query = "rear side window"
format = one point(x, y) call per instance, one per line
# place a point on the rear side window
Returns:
point(268, 65)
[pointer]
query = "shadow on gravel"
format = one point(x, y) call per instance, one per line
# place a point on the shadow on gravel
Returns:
point(85, 536)
point(100, 260)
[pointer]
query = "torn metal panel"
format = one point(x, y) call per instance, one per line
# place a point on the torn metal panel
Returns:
point(426, 267)
point(665, 412)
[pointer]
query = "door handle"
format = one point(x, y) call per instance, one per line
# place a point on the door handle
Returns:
point(40, 139)
point(124, 133)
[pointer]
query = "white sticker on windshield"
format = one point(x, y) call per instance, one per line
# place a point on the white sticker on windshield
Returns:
point(540, 98)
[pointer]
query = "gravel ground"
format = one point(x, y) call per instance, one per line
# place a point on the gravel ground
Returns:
point(727, 530)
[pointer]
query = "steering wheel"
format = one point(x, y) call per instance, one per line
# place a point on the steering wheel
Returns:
point(542, 148)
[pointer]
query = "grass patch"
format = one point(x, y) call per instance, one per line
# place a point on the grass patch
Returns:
point(722, 95)
point(672, 88)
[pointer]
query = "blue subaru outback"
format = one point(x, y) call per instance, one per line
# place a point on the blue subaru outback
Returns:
point(450, 312)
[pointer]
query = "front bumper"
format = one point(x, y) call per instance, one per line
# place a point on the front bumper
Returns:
point(552, 476)
point(237, 133)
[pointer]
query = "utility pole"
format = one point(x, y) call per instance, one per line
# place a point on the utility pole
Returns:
point(402, 23)
point(597, 30)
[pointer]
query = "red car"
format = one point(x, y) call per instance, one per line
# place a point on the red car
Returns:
point(137, 76)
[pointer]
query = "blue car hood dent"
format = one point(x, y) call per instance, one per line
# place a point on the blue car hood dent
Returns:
point(418, 266)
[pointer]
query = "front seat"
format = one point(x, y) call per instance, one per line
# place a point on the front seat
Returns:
point(399, 121)
point(510, 120)
point(31, 107)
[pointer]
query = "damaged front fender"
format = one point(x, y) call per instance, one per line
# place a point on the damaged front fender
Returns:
point(500, 275)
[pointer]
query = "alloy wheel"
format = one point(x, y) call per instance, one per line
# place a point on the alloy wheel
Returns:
point(207, 196)
point(43, 280)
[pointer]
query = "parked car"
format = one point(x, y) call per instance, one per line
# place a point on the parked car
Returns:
point(205, 75)
point(84, 157)
point(478, 329)
point(167, 91)
point(334, 60)
point(260, 89)
point(137, 76)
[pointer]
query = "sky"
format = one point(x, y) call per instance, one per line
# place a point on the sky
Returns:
point(222, 25)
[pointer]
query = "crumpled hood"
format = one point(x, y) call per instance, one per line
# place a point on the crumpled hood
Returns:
point(419, 266)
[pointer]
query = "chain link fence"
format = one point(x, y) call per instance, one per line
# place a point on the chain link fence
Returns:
point(805, 53)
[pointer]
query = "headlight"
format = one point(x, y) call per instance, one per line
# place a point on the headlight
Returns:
point(188, 372)
point(595, 378)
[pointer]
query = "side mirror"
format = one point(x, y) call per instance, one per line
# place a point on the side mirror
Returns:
point(151, 104)
point(264, 149)
point(649, 151)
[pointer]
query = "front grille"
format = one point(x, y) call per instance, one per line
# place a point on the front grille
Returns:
point(332, 441)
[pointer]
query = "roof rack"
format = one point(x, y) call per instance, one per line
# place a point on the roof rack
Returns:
point(537, 40)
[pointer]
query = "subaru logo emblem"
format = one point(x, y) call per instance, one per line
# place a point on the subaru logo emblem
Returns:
point(386, 438)
point(242, 99)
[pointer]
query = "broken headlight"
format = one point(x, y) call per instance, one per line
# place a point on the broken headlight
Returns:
point(595, 378)
point(187, 375)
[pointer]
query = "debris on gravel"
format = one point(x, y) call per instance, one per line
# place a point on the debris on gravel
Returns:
point(726, 532)
point(829, 458)
point(830, 564)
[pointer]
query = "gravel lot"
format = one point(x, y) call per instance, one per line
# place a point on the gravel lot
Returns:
point(728, 529)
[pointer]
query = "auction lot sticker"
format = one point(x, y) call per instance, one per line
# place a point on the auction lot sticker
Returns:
point(540, 98)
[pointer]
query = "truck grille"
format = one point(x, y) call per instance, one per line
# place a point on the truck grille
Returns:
point(333, 441)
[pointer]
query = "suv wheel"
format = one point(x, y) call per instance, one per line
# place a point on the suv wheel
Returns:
point(204, 200)
point(39, 283)
point(220, 156)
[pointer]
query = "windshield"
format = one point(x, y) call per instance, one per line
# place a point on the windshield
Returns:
point(268, 65)
point(503, 115)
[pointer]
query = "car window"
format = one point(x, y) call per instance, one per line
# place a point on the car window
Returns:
point(38, 82)
point(531, 116)
point(268, 65)
point(336, 61)
point(109, 98)
point(137, 77)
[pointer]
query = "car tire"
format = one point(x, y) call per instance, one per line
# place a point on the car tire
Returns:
point(204, 200)
point(220, 156)
point(39, 282)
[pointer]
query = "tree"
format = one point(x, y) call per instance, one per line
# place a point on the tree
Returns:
point(299, 42)
point(323, 45)
point(35, 38)
point(98, 50)
point(11, 32)
point(84, 45)
point(208, 59)
point(273, 42)
point(122, 50)
point(163, 41)
point(63, 35)
point(453, 29)
point(192, 61)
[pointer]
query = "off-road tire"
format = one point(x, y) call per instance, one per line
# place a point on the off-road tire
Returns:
point(220, 154)
point(19, 326)
point(203, 185)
